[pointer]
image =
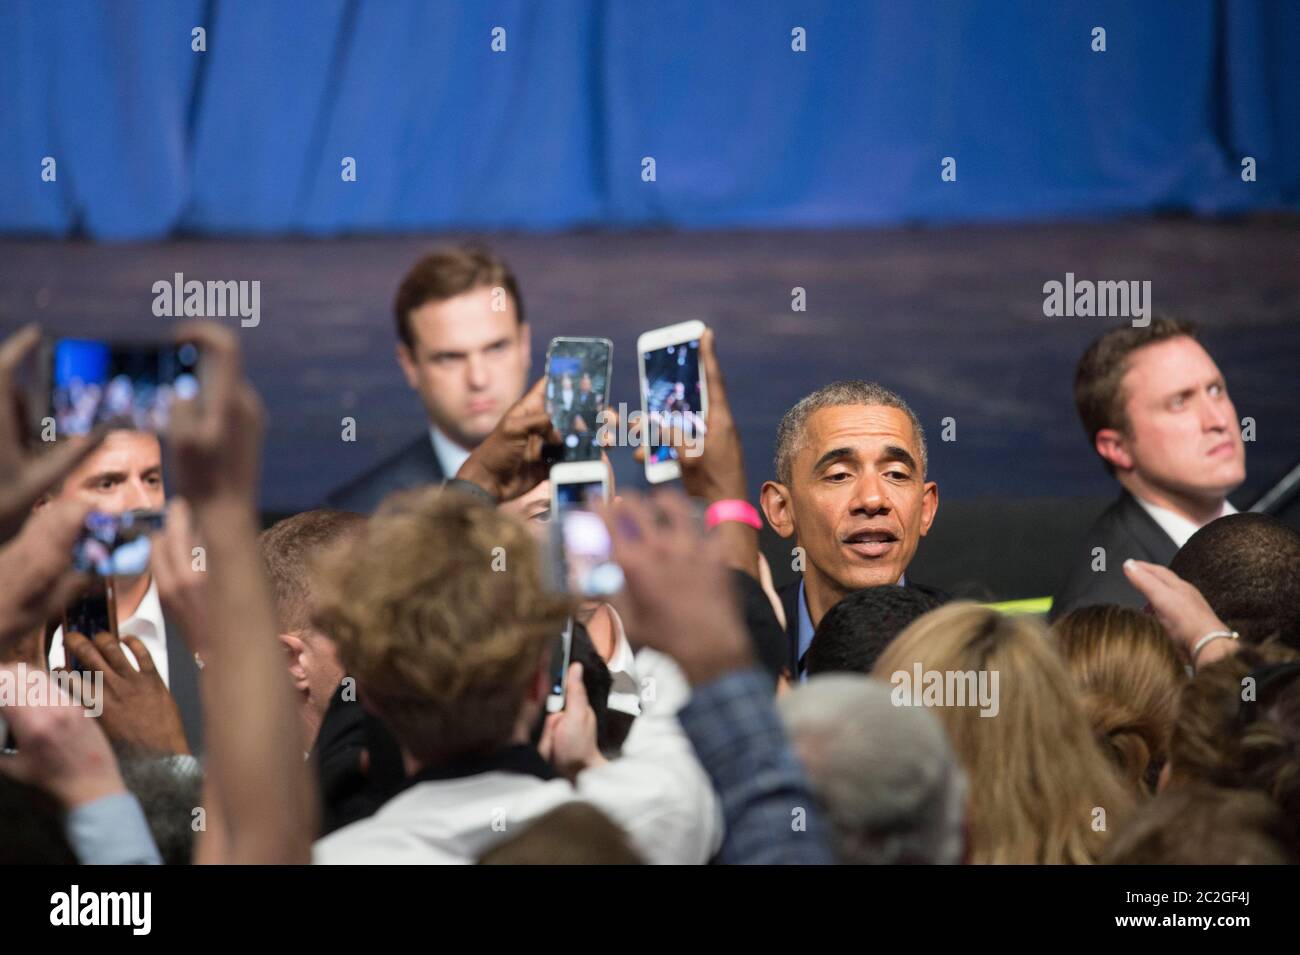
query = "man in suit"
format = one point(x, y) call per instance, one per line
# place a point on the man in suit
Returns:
point(125, 473)
point(464, 349)
point(353, 776)
point(851, 490)
point(1156, 409)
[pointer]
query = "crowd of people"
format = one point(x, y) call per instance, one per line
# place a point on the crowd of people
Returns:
point(368, 682)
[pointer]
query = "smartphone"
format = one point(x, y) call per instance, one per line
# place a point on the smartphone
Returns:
point(581, 554)
point(87, 382)
point(577, 392)
point(674, 395)
point(94, 611)
point(561, 651)
point(116, 544)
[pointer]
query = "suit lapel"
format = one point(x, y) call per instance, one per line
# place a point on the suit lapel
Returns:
point(183, 677)
point(1157, 546)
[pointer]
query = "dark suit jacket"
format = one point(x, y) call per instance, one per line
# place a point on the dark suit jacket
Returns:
point(348, 792)
point(1125, 530)
point(183, 681)
point(413, 466)
point(789, 595)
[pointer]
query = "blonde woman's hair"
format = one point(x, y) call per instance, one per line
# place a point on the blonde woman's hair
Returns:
point(1129, 677)
point(439, 612)
point(1041, 790)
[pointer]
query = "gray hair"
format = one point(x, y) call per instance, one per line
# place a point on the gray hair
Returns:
point(790, 432)
point(885, 775)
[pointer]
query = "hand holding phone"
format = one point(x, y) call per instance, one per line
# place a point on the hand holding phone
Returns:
point(674, 397)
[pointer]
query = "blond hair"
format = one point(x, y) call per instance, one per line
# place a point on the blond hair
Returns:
point(1129, 677)
point(1037, 776)
point(439, 613)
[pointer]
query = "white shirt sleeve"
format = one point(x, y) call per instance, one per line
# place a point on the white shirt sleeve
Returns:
point(657, 790)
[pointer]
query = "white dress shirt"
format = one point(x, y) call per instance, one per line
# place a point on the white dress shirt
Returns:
point(146, 624)
point(656, 790)
point(1175, 525)
point(449, 454)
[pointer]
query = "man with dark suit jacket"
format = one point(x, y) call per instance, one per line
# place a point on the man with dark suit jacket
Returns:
point(464, 349)
point(1156, 409)
point(125, 473)
point(355, 758)
point(851, 491)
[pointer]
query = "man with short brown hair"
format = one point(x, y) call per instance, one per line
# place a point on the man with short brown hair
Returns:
point(1156, 410)
point(463, 346)
point(440, 612)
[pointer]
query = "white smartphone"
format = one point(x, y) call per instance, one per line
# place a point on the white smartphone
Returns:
point(674, 395)
point(581, 561)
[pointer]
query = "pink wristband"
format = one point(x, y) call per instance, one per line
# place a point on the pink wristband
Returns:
point(732, 510)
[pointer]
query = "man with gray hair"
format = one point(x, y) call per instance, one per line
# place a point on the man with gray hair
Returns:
point(884, 774)
point(851, 490)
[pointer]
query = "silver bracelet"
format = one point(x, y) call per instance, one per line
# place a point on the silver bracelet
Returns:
point(1212, 635)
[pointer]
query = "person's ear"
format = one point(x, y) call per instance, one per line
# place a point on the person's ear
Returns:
point(294, 647)
point(541, 687)
point(406, 358)
point(929, 506)
point(1114, 449)
point(778, 507)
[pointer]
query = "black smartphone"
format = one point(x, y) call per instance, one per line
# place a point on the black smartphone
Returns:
point(577, 392)
point(561, 650)
point(89, 382)
point(92, 612)
point(116, 544)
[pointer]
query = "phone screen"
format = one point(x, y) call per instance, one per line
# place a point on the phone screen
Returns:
point(673, 398)
point(116, 544)
point(580, 542)
point(577, 391)
point(94, 611)
point(92, 382)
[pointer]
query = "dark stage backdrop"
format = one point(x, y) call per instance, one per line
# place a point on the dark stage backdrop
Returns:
point(151, 138)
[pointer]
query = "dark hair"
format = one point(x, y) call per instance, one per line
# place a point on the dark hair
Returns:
point(1098, 381)
point(446, 273)
point(288, 549)
point(1204, 825)
point(1247, 566)
point(31, 826)
point(1239, 726)
point(854, 632)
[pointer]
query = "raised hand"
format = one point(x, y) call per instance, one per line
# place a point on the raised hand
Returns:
point(678, 594)
point(510, 462)
point(137, 707)
point(26, 474)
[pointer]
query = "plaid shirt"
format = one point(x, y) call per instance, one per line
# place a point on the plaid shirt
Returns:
point(770, 813)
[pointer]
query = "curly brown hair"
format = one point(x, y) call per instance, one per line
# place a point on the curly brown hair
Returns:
point(439, 612)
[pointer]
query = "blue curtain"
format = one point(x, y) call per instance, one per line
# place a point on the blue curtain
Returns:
point(150, 138)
